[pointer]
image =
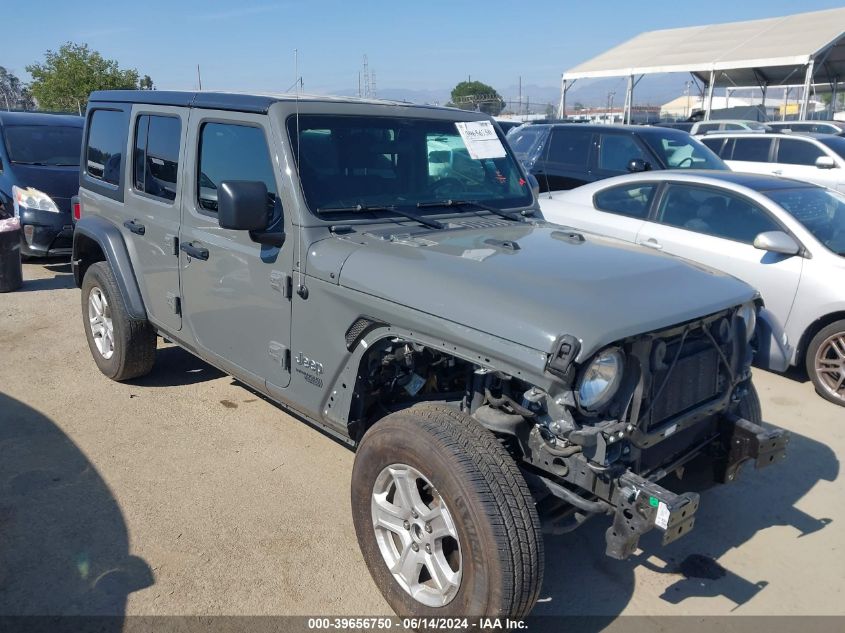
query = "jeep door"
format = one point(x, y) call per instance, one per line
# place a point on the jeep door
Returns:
point(152, 207)
point(235, 292)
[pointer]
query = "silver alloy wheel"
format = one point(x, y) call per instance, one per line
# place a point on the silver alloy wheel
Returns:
point(99, 319)
point(830, 365)
point(416, 535)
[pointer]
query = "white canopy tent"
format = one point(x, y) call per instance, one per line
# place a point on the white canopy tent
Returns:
point(800, 49)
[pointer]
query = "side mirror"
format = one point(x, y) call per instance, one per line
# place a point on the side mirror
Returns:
point(825, 162)
point(777, 242)
point(242, 205)
point(534, 184)
point(637, 165)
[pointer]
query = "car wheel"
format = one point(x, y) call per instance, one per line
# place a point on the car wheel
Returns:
point(122, 347)
point(826, 362)
point(444, 518)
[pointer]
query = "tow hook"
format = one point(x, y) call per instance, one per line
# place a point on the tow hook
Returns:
point(642, 505)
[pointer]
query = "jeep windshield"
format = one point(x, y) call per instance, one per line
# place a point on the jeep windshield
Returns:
point(349, 165)
point(44, 144)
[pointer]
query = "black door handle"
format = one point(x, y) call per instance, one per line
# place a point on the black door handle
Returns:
point(132, 225)
point(194, 251)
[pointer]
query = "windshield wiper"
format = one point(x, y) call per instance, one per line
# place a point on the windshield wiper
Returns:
point(357, 208)
point(516, 217)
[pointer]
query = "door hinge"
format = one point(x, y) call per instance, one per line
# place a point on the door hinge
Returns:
point(281, 282)
point(280, 353)
point(174, 302)
point(172, 244)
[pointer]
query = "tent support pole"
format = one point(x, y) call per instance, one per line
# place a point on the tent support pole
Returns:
point(629, 99)
point(834, 96)
point(710, 85)
point(805, 97)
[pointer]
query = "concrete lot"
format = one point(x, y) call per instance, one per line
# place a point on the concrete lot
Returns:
point(185, 493)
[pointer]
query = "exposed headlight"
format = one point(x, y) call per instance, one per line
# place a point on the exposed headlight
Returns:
point(748, 313)
point(32, 199)
point(601, 379)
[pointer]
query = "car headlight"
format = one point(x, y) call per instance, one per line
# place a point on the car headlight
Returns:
point(748, 313)
point(601, 379)
point(32, 199)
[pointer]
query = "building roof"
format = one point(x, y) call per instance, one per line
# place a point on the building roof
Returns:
point(771, 51)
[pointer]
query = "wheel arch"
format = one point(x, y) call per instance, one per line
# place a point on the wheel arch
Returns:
point(814, 328)
point(96, 239)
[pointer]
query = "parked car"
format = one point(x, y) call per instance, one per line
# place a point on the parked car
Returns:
point(39, 172)
point(564, 156)
point(784, 237)
point(816, 158)
point(728, 125)
point(816, 127)
point(462, 347)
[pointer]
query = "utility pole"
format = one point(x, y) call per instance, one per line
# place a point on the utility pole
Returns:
point(199, 77)
point(610, 96)
point(519, 108)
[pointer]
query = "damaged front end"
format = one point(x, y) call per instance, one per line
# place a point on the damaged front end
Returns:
point(677, 402)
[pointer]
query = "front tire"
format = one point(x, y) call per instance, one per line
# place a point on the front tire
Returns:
point(444, 518)
point(123, 347)
point(826, 362)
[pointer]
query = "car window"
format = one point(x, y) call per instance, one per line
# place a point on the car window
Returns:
point(43, 144)
point(682, 151)
point(629, 200)
point(106, 142)
point(570, 148)
point(751, 149)
point(617, 150)
point(714, 144)
point(733, 126)
point(795, 151)
point(714, 212)
point(703, 128)
point(524, 140)
point(820, 210)
point(230, 151)
point(156, 155)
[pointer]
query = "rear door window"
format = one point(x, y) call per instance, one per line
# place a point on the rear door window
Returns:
point(793, 151)
point(156, 161)
point(632, 201)
point(230, 151)
point(570, 149)
point(616, 151)
point(754, 150)
point(106, 142)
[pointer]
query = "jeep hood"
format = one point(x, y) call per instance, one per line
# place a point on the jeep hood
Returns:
point(532, 283)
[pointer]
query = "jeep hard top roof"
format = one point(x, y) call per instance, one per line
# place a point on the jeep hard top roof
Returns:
point(241, 102)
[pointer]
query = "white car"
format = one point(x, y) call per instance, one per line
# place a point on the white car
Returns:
point(784, 237)
point(814, 158)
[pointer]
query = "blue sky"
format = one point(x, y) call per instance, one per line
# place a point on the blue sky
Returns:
point(423, 45)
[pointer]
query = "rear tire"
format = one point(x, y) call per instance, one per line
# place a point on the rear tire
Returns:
point(496, 559)
point(123, 347)
point(825, 362)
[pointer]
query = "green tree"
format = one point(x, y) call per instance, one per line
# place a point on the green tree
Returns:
point(69, 75)
point(146, 83)
point(13, 94)
point(476, 95)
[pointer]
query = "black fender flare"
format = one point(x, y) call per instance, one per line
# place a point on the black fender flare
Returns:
point(108, 237)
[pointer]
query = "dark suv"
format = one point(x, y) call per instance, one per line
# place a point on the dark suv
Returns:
point(565, 156)
point(39, 173)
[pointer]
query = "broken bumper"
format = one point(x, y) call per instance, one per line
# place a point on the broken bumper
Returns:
point(641, 504)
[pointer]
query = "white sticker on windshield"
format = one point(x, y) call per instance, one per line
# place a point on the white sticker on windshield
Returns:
point(481, 140)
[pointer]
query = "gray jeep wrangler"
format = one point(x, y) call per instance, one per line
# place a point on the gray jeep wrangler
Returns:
point(382, 271)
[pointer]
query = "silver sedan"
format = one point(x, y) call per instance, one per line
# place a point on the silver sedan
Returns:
point(784, 237)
